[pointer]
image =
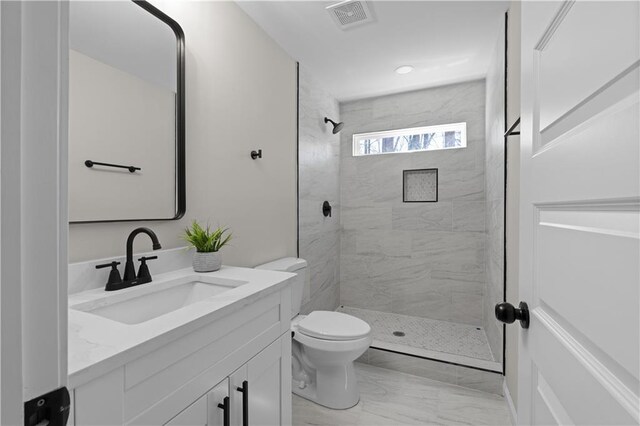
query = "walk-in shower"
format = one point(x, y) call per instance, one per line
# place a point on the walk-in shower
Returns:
point(415, 245)
point(417, 255)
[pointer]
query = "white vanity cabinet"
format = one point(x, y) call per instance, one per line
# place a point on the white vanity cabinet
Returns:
point(259, 383)
point(196, 414)
point(238, 363)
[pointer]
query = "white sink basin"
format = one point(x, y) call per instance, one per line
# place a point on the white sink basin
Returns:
point(148, 301)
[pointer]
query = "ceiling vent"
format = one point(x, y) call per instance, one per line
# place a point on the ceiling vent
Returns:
point(350, 13)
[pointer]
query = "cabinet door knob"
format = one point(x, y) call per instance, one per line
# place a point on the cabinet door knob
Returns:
point(507, 313)
point(245, 402)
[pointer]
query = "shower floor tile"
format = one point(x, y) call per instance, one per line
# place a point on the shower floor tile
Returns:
point(440, 340)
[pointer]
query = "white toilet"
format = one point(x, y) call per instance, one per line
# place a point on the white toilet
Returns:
point(325, 345)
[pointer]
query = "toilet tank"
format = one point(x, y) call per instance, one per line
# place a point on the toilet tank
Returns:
point(296, 266)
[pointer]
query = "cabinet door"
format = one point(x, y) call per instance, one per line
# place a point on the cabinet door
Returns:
point(194, 415)
point(269, 379)
point(219, 405)
point(238, 392)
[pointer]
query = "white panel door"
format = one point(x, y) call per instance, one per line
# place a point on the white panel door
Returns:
point(33, 208)
point(579, 213)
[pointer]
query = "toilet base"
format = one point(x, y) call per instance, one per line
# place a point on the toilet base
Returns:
point(334, 387)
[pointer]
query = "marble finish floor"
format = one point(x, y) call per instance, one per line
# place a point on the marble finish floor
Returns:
point(440, 340)
point(392, 398)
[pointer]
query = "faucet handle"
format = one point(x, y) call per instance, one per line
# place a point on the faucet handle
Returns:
point(114, 274)
point(112, 264)
point(144, 276)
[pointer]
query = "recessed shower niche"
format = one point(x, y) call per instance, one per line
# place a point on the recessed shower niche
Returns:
point(420, 186)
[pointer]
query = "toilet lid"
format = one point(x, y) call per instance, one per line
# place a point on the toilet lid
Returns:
point(333, 326)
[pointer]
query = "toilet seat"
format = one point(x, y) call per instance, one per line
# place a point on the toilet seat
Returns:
point(333, 326)
point(331, 345)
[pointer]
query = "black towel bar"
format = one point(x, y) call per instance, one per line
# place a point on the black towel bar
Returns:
point(90, 164)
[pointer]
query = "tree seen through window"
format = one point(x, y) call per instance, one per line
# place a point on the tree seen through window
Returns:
point(430, 138)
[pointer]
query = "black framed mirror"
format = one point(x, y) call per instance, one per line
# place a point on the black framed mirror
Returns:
point(126, 113)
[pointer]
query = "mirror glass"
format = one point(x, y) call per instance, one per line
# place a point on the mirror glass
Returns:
point(125, 139)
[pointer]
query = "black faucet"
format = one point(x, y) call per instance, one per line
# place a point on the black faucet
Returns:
point(130, 278)
point(129, 269)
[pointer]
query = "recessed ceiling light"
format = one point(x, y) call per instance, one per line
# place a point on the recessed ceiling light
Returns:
point(404, 69)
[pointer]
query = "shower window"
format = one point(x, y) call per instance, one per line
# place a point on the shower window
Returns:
point(416, 139)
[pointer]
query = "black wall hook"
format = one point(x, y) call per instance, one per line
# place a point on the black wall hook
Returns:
point(326, 209)
point(256, 154)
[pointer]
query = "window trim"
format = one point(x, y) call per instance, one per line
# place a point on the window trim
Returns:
point(460, 126)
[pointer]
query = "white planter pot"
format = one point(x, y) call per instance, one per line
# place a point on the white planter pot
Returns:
point(206, 262)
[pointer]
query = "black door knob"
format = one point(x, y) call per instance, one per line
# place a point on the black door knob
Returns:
point(507, 313)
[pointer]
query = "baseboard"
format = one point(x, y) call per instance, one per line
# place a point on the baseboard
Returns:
point(512, 409)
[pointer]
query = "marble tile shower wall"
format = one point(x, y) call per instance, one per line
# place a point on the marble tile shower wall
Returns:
point(319, 180)
point(421, 259)
point(494, 188)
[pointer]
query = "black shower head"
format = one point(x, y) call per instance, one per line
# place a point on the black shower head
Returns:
point(336, 126)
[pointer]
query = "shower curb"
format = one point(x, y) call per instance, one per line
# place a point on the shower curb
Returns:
point(442, 371)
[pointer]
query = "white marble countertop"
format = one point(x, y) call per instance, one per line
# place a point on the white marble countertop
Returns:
point(98, 345)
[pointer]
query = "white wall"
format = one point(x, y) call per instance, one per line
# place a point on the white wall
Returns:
point(241, 95)
point(99, 97)
point(127, 37)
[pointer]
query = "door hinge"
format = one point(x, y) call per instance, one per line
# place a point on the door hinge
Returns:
point(51, 409)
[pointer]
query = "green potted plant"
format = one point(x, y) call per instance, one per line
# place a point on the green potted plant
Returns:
point(207, 243)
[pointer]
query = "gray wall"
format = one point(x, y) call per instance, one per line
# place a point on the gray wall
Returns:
point(241, 95)
point(422, 259)
point(319, 180)
point(495, 196)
